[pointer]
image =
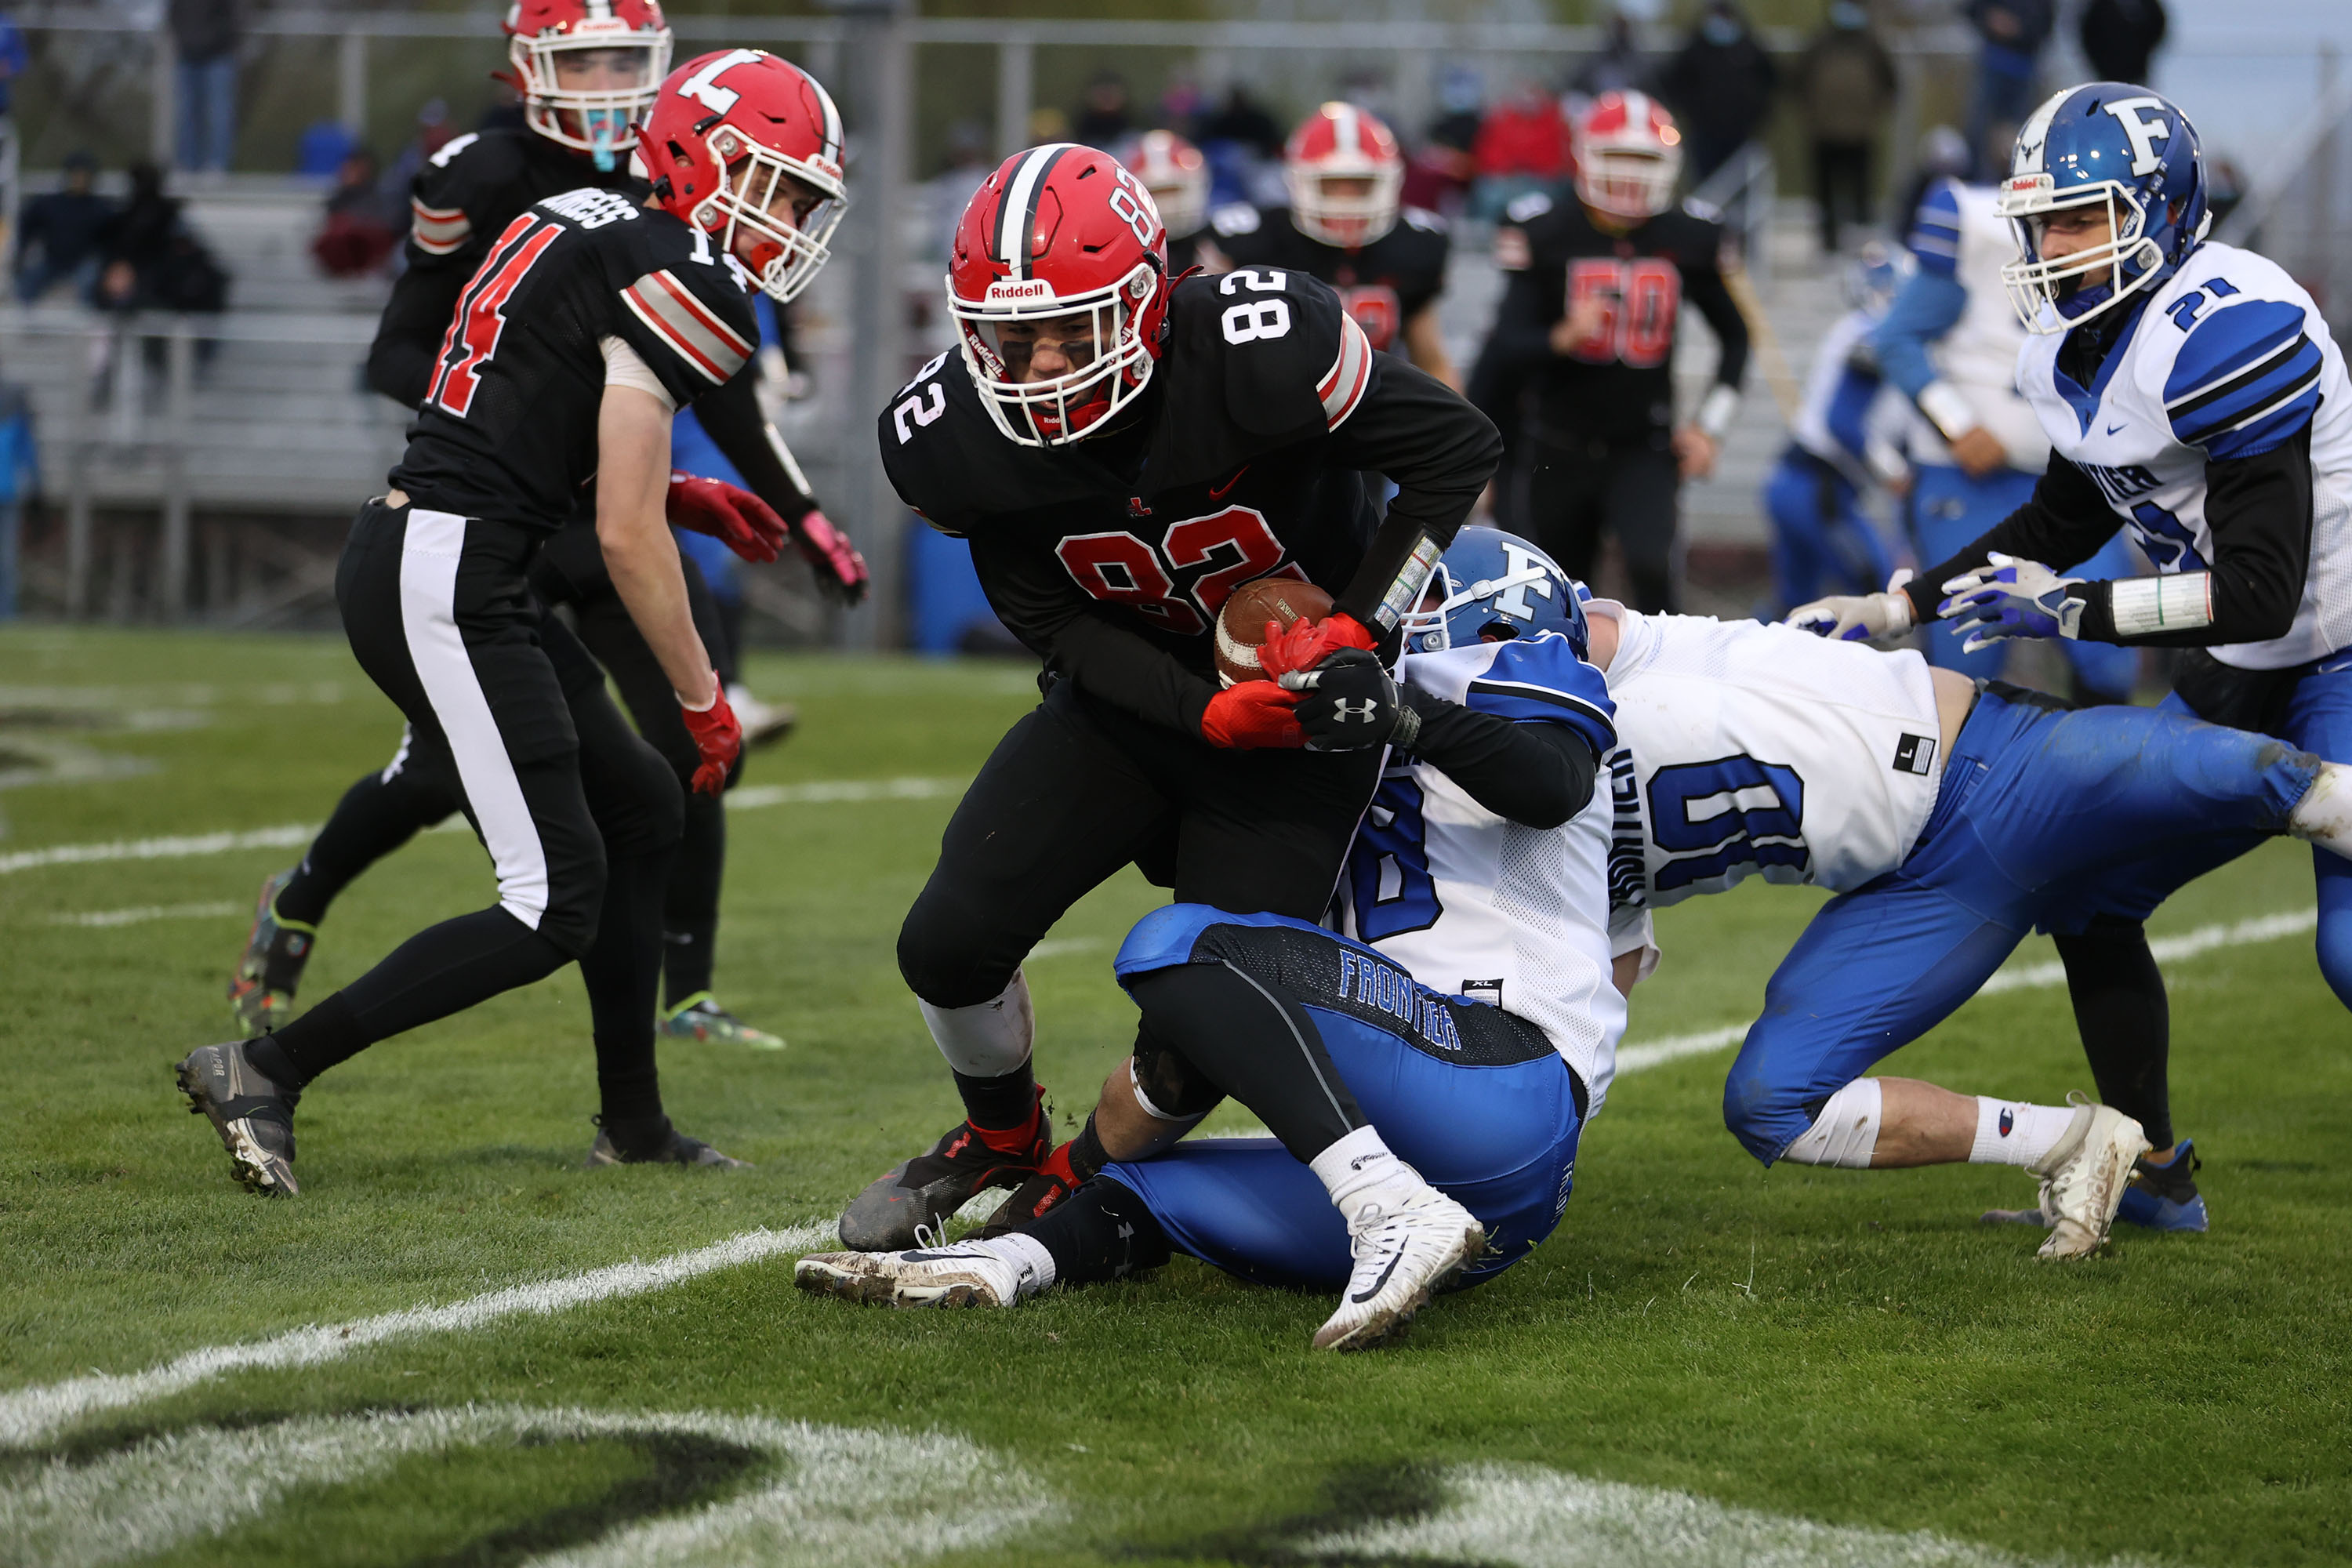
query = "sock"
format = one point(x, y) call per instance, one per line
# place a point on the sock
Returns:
point(2125, 1021)
point(621, 973)
point(637, 1135)
point(264, 1053)
point(1029, 1253)
point(1003, 1111)
point(1845, 1134)
point(2012, 1133)
point(690, 905)
point(1081, 1159)
point(1363, 1176)
point(1102, 1231)
point(327, 1035)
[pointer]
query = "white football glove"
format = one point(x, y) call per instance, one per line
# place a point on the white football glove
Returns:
point(1859, 617)
point(2012, 597)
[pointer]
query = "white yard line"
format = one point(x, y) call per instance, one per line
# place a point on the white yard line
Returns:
point(29, 1415)
point(141, 913)
point(293, 835)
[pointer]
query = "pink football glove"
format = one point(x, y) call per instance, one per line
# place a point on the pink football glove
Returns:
point(839, 569)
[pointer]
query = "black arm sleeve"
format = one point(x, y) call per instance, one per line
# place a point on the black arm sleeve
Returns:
point(1440, 451)
point(2260, 512)
point(1046, 612)
point(1536, 774)
point(2065, 520)
point(417, 318)
point(1706, 288)
point(731, 418)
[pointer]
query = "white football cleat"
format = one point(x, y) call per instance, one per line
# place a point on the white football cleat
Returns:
point(966, 1274)
point(2084, 1176)
point(1401, 1255)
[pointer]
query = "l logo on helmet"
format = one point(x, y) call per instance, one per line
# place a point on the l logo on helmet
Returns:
point(2144, 133)
point(703, 85)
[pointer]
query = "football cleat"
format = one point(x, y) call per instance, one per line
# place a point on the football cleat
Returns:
point(2083, 1178)
point(253, 1117)
point(1052, 1183)
point(701, 1018)
point(2165, 1198)
point(764, 724)
point(966, 1274)
point(1401, 1255)
point(922, 1193)
point(670, 1148)
point(261, 986)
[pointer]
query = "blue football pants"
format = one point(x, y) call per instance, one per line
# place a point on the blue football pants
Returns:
point(1822, 542)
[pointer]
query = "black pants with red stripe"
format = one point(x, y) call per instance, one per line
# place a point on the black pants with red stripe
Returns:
point(508, 721)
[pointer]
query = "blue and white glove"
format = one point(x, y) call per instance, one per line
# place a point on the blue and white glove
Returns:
point(2011, 598)
point(1859, 617)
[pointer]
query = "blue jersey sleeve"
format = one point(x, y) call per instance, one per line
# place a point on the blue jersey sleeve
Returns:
point(1849, 411)
point(2246, 380)
point(1928, 306)
point(1935, 236)
point(1541, 680)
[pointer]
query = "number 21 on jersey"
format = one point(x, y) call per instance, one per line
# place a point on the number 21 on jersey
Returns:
point(1637, 300)
point(482, 317)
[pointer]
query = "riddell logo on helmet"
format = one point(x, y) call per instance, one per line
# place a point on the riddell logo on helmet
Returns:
point(1005, 289)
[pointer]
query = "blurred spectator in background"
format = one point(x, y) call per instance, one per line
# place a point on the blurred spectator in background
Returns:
point(359, 233)
point(206, 33)
point(1845, 89)
point(1618, 67)
point(151, 259)
point(2119, 37)
point(1102, 119)
point(1522, 147)
point(434, 132)
point(323, 145)
point(1719, 85)
point(1437, 176)
point(1241, 142)
point(2225, 187)
point(20, 480)
point(2012, 33)
point(58, 235)
point(12, 61)
point(949, 192)
point(1943, 154)
point(1182, 103)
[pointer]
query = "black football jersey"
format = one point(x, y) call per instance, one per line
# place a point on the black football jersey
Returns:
point(459, 203)
point(1616, 387)
point(1384, 284)
point(507, 428)
point(1246, 458)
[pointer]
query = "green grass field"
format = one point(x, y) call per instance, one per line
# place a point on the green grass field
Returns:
point(1707, 1363)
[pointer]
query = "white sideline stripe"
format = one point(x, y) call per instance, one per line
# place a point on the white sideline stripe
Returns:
point(294, 835)
point(1533, 1517)
point(2014, 978)
point(141, 913)
point(28, 1416)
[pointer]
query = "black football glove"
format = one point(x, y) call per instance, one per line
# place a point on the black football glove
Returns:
point(1348, 703)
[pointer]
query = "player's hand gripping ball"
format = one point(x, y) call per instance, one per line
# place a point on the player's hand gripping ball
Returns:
point(1255, 615)
point(1349, 703)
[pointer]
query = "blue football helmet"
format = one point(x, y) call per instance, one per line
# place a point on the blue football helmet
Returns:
point(1489, 582)
point(1877, 275)
point(2106, 143)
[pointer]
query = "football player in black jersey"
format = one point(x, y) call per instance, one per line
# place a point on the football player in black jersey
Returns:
point(1177, 174)
point(1122, 455)
point(1579, 370)
point(587, 69)
point(1347, 224)
point(591, 320)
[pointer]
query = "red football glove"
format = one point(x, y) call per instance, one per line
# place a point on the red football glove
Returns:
point(839, 569)
point(1305, 646)
point(1251, 714)
point(717, 736)
point(738, 519)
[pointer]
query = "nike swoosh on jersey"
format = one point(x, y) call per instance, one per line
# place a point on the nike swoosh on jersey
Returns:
point(2113, 428)
point(1383, 1280)
point(1219, 492)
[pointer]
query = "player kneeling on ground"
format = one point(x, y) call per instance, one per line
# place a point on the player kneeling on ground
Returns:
point(1463, 1038)
point(591, 320)
point(1951, 819)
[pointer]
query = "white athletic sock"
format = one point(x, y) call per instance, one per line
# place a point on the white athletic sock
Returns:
point(987, 1039)
point(1027, 1251)
point(2324, 814)
point(2011, 1132)
point(1360, 1172)
point(1846, 1131)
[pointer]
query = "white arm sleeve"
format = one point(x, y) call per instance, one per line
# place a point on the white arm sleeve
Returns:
point(625, 367)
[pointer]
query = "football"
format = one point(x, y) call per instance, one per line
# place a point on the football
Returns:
point(1241, 625)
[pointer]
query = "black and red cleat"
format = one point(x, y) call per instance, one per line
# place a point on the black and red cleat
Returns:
point(1055, 1180)
point(921, 1192)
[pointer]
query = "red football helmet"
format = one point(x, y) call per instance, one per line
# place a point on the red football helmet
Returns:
point(1176, 175)
point(1627, 156)
point(1340, 142)
point(1061, 237)
point(726, 130)
point(587, 68)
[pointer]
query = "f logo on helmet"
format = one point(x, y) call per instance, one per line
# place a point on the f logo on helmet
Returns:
point(1513, 601)
point(2144, 133)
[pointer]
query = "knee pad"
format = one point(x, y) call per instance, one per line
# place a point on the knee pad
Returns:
point(1845, 1131)
point(1167, 1084)
point(985, 1039)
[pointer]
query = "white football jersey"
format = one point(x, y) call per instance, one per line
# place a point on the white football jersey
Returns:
point(2229, 358)
point(1475, 905)
point(1979, 354)
point(1850, 416)
point(1748, 750)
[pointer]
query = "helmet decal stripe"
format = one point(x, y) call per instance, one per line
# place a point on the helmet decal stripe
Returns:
point(1016, 218)
point(1347, 129)
point(832, 120)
